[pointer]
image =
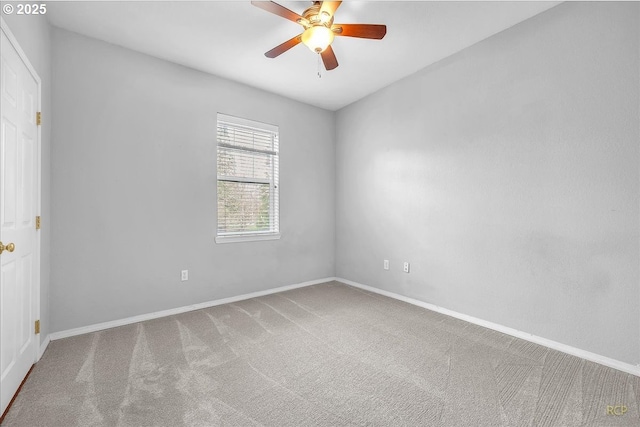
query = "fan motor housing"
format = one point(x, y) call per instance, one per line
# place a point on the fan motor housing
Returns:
point(313, 17)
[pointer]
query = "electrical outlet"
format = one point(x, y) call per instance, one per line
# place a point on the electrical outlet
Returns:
point(406, 267)
point(184, 275)
point(386, 264)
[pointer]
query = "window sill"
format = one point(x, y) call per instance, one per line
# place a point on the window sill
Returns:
point(237, 238)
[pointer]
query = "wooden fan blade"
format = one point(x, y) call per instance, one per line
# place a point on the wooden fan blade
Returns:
point(363, 31)
point(282, 48)
point(329, 7)
point(275, 8)
point(329, 58)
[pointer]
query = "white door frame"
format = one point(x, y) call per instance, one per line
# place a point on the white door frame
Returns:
point(36, 291)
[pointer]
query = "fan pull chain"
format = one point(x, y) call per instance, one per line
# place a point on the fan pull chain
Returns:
point(319, 75)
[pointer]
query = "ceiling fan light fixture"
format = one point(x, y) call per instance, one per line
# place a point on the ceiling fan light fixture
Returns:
point(319, 29)
point(317, 38)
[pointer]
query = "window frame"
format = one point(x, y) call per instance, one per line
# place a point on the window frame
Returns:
point(274, 186)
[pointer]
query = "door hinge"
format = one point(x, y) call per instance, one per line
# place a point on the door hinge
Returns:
point(37, 326)
point(38, 222)
point(38, 118)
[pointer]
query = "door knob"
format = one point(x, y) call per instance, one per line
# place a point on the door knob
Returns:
point(10, 247)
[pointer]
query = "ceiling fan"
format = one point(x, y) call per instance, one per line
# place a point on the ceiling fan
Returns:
point(319, 29)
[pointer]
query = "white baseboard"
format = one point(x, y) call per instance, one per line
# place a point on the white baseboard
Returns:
point(43, 346)
point(587, 355)
point(172, 311)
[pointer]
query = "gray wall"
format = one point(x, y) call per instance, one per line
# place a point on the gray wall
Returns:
point(508, 176)
point(134, 187)
point(33, 35)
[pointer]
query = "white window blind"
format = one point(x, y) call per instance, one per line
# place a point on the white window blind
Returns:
point(247, 162)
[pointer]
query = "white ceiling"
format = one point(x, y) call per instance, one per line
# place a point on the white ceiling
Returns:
point(229, 38)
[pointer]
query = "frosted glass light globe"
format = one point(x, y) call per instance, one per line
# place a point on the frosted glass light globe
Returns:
point(317, 38)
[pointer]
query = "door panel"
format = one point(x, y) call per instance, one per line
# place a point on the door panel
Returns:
point(9, 171)
point(26, 155)
point(9, 84)
point(9, 317)
point(25, 329)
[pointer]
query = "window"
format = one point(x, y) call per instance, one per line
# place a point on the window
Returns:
point(247, 159)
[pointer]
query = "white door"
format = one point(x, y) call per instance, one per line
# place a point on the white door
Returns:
point(19, 270)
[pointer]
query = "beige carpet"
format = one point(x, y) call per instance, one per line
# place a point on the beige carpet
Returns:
point(323, 355)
